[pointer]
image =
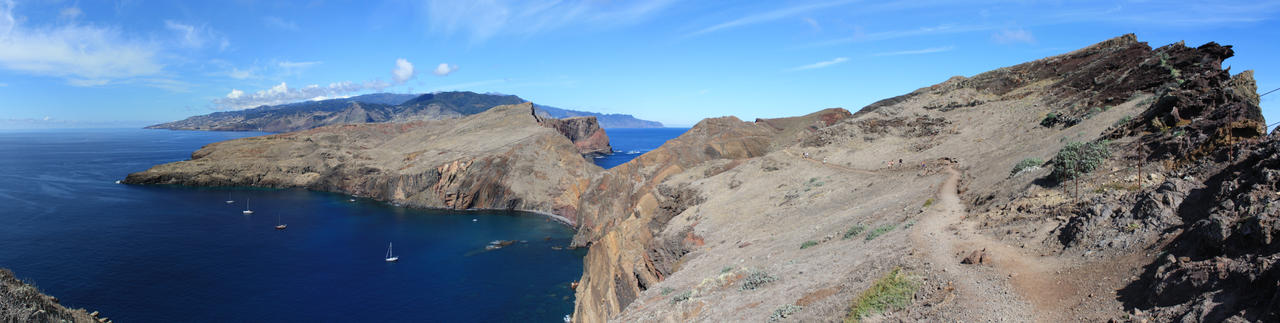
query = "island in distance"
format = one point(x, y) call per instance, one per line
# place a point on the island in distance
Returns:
point(378, 108)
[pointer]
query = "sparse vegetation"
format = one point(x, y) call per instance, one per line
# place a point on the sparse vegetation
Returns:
point(928, 202)
point(891, 292)
point(1049, 120)
point(667, 290)
point(784, 312)
point(684, 296)
point(1025, 164)
point(1132, 227)
point(854, 231)
point(726, 269)
point(756, 279)
point(880, 231)
point(808, 244)
point(1122, 121)
point(1078, 158)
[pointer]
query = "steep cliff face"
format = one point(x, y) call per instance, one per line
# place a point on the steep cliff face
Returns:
point(585, 133)
point(503, 158)
point(20, 302)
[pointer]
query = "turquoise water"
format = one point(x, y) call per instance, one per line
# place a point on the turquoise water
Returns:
point(168, 254)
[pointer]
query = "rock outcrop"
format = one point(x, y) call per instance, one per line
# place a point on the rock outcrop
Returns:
point(20, 302)
point(585, 133)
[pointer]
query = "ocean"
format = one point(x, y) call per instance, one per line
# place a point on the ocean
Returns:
point(182, 254)
point(631, 143)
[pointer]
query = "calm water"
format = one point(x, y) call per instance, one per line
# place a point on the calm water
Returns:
point(631, 143)
point(167, 254)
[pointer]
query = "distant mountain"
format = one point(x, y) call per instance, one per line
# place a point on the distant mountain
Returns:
point(377, 107)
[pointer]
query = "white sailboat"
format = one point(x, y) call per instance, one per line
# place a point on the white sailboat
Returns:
point(246, 211)
point(280, 226)
point(229, 200)
point(391, 258)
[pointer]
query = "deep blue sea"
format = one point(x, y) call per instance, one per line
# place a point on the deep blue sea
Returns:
point(631, 143)
point(181, 254)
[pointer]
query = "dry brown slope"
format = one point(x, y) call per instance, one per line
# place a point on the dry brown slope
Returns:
point(20, 302)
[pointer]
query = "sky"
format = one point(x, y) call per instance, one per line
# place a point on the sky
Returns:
point(136, 62)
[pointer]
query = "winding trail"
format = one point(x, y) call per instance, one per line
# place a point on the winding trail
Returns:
point(1014, 287)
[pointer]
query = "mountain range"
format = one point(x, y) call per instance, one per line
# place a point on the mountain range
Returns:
point(378, 107)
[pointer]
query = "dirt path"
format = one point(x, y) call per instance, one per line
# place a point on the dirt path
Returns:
point(1008, 286)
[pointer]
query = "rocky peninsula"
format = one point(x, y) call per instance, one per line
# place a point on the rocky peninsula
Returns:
point(1114, 182)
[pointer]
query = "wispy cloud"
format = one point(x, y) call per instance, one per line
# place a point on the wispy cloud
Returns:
point(279, 23)
point(768, 16)
point(813, 23)
point(482, 20)
point(297, 65)
point(444, 69)
point(196, 37)
point(84, 55)
point(4, 84)
point(1013, 36)
point(818, 65)
point(916, 51)
point(70, 13)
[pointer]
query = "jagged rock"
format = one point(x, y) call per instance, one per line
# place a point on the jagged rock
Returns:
point(20, 302)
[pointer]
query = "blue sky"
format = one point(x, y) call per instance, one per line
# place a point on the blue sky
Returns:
point(135, 62)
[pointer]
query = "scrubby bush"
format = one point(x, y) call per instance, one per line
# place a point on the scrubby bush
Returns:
point(1049, 120)
point(893, 291)
point(854, 231)
point(808, 244)
point(1024, 164)
point(928, 202)
point(1078, 158)
point(667, 290)
point(756, 279)
point(682, 297)
point(879, 231)
point(784, 311)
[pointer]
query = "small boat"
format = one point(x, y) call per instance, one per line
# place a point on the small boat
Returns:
point(391, 258)
point(351, 200)
point(280, 226)
point(246, 211)
point(229, 200)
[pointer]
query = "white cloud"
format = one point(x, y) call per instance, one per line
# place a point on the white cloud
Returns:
point(240, 74)
point(282, 93)
point(813, 23)
point(279, 23)
point(196, 37)
point(771, 15)
point(296, 65)
point(4, 84)
point(818, 65)
point(480, 20)
point(403, 71)
point(916, 51)
point(444, 69)
point(70, 13)
point(85, 55)
point(1010, 36)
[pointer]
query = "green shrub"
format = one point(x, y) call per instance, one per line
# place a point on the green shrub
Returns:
point(1079, 158)
point(755, 279)
point(928, 202)
point(1024, 164)
point(808, 244)
point(726, 269)
point(880, 231)
point(893, 291)
point(1049, 120)
point(854, 231)
point(682, 296)
point(783, 312)
point(667, 290)
point(1122, 121)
